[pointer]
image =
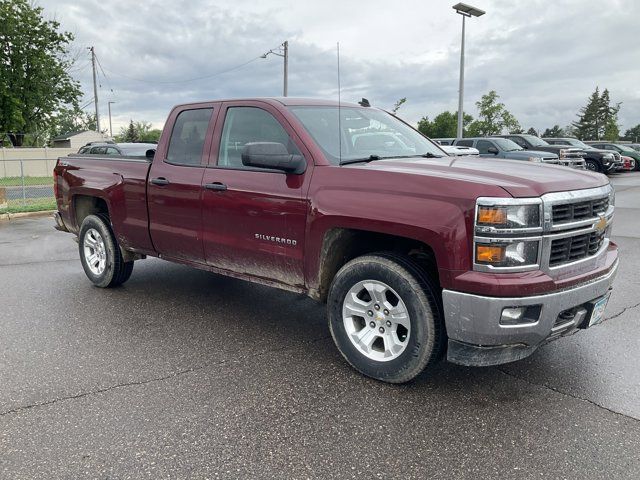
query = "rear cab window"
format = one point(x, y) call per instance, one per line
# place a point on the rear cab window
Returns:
point(188, 136)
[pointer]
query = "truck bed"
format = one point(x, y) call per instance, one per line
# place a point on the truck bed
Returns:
point(119, 181)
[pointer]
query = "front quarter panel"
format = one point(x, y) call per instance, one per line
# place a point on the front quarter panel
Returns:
point(437, 212)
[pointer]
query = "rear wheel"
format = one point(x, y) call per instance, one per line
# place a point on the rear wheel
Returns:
point(385, 317)
point(100, 254)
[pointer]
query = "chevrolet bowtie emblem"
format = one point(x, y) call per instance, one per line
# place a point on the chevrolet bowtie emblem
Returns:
point(601, 224)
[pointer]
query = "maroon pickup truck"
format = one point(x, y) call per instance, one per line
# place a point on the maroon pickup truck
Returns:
point(418, 255)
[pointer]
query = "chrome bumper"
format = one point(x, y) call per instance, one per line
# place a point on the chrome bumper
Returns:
point(476, 336)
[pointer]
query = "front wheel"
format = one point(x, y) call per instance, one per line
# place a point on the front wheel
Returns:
point(592, 166)
point(100, 254)
point(385, 317)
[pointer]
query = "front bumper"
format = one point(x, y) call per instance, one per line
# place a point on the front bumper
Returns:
point(476, 337)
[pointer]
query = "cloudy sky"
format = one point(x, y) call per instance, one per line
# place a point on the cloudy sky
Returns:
point(544, 58)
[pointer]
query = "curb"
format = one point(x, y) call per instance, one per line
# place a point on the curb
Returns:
point(11, 216)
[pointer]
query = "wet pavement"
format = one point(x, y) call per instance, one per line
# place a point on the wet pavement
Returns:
point(186, 374)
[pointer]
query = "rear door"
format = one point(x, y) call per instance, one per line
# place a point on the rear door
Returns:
point(174, 186)
point(254, 219)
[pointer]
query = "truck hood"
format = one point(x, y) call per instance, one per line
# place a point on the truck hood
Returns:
point(518, 178)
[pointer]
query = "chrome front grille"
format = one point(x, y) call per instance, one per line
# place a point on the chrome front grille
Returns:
point(570, 249)
point(577, 225)
point(569, 212)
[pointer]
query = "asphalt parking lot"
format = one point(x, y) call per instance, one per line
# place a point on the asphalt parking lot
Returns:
point(186, 374)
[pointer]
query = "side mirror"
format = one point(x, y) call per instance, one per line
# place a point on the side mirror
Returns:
point(492, 150)
point(272, 155)
point(150, 153)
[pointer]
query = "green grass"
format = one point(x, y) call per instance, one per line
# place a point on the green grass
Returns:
point(17, 182)
point(29, 205)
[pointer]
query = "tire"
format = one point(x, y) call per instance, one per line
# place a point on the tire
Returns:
point(100, 254)
point(420, 337)
point(592, 166)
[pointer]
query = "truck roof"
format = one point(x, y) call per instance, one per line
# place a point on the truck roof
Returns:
point(287, 101)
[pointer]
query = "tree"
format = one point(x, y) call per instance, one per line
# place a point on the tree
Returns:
point(444, 125)
point(633, 134)
point(493, 117)
point(553, 132)
point(72, 120)
point(532, 131)
point(598, 118)
point(138, 132)
point(398, 104)
point(34, 70)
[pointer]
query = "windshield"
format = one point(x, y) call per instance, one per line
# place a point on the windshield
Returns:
point(365, 133)
point(577, 143)
point(535, 141)
point(624, 148)
point(137, 150)
point(506, 145)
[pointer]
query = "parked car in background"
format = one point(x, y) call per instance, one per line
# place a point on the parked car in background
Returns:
point(455, 151)
point(635, 146)
point(628, 163)
point(444, 141)
point(618, 147)
point(569, 156)
point(596, 160)
point(120, 149)
point(505, 148)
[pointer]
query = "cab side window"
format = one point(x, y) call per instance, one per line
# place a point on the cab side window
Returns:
point(483, 146)
point(464, 143)
point(244, 125)
point(187, 138)
point(112, 151)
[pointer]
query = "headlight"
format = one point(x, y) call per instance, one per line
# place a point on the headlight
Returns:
point(612, 196)
point(535, 159)
point(507, 234)
point(508, 216)
point(563, 152)
point(512, 254)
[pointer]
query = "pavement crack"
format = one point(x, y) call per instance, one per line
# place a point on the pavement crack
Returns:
point(631, 307)
point(566, 394)
point(150, 380)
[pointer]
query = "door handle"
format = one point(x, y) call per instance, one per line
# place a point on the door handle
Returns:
point(160, 181)
point(220, 187)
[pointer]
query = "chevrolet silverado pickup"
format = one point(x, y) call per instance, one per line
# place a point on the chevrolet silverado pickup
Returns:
point(419, 256)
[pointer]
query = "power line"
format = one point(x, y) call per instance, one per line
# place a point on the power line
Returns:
point(160, 82)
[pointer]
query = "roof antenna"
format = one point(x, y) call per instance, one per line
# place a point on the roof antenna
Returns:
point(339, 114)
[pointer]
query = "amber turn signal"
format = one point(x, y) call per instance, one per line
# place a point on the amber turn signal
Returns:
point(490, 253)
point(492, 215)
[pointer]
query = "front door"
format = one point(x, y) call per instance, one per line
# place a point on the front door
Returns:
point(254, 219)
point(174, 186)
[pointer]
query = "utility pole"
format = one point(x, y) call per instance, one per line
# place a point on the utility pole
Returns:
point(285, 46)
point(110, 128)
point(282, 51)
point(95, 88)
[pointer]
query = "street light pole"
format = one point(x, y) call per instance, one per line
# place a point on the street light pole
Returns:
point(465, 11)
point(110, 128)
point(282, 51)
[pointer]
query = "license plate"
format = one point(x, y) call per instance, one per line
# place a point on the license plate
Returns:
point(597, 314)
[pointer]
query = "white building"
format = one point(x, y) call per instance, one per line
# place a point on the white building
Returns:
point(76, 140)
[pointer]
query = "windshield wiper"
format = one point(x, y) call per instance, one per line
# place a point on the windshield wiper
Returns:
point(431, 155)
point(360, 160)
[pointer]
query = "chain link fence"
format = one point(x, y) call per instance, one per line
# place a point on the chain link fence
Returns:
point(27, 185)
